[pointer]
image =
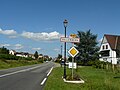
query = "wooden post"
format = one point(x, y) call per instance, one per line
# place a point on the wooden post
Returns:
point(113, 67)
point(107, 66)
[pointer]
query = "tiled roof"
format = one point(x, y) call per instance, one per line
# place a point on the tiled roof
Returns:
point(114, 41)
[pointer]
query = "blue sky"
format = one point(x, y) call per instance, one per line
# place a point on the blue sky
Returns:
point(30, 25)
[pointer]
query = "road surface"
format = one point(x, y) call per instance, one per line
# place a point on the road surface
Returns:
point(24, 78)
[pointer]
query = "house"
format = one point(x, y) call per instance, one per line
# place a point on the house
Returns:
point(12, 52)
point(46, 57)
point(110, 49)
point(40, 56)
point(32, 56)
point(21, 54)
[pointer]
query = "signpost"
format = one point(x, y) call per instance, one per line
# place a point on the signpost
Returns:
point(72, 65)
point(71, 40)
point(73, 35)
point(73, 51)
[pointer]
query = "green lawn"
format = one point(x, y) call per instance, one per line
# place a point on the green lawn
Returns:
point(95, 79)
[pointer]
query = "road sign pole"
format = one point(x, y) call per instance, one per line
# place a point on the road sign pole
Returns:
point(65, 56)
point(72, 63)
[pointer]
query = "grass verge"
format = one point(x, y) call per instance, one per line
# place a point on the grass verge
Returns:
point(4, 64)
point(95, 79)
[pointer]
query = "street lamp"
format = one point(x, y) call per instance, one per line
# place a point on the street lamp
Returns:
point(61, 51)
point(65, 25)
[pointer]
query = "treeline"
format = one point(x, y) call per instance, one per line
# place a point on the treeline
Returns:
point(12, 57)
point(4, 55)
point(4, 50)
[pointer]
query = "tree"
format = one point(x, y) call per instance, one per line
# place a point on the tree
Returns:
point(59, 56)
point(4, 50)
point(36, 55)
point(88, 49)
point(70, 58)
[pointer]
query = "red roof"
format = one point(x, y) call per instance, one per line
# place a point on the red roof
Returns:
point(114, 41)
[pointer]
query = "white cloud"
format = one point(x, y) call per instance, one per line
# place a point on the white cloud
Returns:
point(8, 32)
point(57, 50)
point(37, 49)
point(42, 36)
point(10, 46)
point(18, 46)
point(5, 45)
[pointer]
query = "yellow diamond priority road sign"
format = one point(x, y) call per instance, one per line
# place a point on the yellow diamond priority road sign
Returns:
point(73, 51)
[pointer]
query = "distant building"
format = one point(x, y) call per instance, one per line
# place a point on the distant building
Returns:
point(110, 49)
point(32, 56)
point(12, 52)
point(21, 54)
point(46, 57)
point(40, 56)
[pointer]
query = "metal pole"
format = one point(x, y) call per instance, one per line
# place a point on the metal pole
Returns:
point(65, 56)
point(72, 63)
point(61, 51)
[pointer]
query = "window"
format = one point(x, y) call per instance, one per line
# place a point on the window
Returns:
point(103, 47)
point(105, 53)
point(106, 46)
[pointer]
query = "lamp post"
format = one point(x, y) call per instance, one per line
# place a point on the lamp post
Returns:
point(65, 25)
point(61, 51)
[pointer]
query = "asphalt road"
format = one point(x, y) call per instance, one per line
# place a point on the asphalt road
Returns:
point(24, 78)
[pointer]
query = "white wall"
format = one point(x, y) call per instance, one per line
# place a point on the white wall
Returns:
point(112, 54)
point(21, 55)
point(101, 48)
point(11, 52)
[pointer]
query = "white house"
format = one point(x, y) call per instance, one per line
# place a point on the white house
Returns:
point(32, 56)
point(110, 49)
point(12, 52)
point(21, 54)
point(40, 56)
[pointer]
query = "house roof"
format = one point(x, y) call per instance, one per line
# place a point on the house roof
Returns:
point(22, 53)
point(13, 51)
point(113, 40)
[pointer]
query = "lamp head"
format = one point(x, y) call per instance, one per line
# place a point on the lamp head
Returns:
point(65, 23)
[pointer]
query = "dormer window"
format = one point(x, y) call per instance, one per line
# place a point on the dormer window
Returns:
point(103, 47)
point(106, 46)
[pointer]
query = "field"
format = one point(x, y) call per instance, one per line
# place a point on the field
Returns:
point(95, 79)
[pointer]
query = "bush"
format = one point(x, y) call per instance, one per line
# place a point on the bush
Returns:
point(57, 61)
point(75, 77)
point(12, 57)
point(8, 57)
point(97, 64)
point(40, 60)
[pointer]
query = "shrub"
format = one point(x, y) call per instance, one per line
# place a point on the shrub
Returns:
point(75, 77)
point(58, 61)
point(40, 60)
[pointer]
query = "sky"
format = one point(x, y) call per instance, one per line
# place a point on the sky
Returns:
point(37, 25)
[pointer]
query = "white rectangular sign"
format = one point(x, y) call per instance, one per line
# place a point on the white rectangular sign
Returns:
point(70, 65)
point(74, 40)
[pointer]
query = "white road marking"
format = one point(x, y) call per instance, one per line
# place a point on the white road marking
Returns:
point(43, 81)
point(24, 70)
point(50, 71)
point(46, 77)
